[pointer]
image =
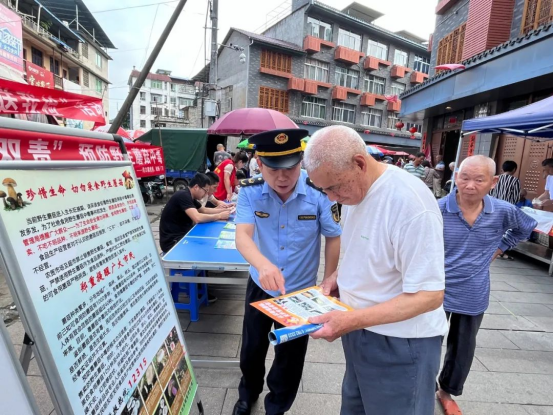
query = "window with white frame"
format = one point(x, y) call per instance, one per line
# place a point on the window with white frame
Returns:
point(313, 107)
point(142, 123)
point(343, 112)
point(98, 60)
point(319, 29)
point(173, 101)
point(185, 102)
point(157, 111)
point(347, 77)
point(143, 109)
point(316, 70)
point(422, 64)
point(374, 85)
point(173, 88)
point(142, 96)
point(372, 117)
point(156, 98)
point(349, 39)
point(392, 121)
point(409, 125)
point(400, 57)
point(397, 88)
point(157, 84)
point(378, 50)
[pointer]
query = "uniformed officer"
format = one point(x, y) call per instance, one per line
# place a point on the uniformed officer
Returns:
point(281, 216)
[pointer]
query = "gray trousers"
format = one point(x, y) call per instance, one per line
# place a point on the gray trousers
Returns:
point(389, 375)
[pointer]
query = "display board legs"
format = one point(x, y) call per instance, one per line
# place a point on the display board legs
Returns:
point(26, 353)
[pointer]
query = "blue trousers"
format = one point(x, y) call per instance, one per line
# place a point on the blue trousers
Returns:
point(389, 375)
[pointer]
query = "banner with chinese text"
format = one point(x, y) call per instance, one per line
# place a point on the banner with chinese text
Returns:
point(18, 98)
point(38, 76)
point(89, 263)
point(11, 39)
point(26, 145)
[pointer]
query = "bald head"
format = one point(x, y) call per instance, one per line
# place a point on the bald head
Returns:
point(335, 146)
point(479, 161)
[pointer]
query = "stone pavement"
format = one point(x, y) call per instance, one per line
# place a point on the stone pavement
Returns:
point(512, 372)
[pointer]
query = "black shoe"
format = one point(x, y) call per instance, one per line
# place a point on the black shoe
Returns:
point(242, 408)
point(211, 298)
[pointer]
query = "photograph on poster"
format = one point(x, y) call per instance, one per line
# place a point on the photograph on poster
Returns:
point(162, 407)
point(160, 359)
point(172, 390)
point(134, 405)
point(172, 340)
point(182, 374)
point(148, 382)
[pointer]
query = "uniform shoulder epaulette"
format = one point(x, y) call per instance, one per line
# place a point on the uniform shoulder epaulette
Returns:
point(310, 183)
point(251, 182)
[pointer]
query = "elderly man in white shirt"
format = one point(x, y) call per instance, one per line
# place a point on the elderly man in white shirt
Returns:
point(393, 278)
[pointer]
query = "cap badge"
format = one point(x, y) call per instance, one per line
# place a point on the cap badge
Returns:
point(281, 138)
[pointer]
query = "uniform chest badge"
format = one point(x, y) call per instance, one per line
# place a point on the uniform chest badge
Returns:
point(281, 138)
point(262, 215)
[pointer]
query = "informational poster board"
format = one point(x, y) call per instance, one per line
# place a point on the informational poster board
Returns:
point(82, 264)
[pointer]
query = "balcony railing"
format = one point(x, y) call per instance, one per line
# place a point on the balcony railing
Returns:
point(58, 81)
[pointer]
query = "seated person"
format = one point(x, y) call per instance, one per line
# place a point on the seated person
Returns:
point(184, 210)
point(523, 202)
point(209, 200)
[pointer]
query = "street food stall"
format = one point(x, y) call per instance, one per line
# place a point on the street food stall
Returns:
point(531, 122)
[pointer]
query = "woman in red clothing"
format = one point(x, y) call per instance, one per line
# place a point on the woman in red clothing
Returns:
point(227, 175)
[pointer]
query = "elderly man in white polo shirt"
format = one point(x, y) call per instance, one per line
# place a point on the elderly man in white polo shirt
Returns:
point(393, 278)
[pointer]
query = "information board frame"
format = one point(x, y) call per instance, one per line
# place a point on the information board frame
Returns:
point(22, 297)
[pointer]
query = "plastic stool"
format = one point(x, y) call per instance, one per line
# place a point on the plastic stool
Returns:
point(197, 293)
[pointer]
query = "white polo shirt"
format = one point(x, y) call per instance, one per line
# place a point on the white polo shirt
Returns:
point(393, 244)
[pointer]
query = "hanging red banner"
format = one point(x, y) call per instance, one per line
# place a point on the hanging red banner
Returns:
point(38, 76)
point(25, 145)
point(472, 144)
point(18, 98)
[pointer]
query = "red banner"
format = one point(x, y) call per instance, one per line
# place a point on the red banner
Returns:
point(38, 76)
point(472, 144)
point(25, 145)
point(18, 98)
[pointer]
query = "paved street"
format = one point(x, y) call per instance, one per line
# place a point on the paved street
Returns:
point(512, 372)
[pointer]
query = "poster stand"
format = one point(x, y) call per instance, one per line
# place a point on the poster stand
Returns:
point(17, 397)
point(122, 349)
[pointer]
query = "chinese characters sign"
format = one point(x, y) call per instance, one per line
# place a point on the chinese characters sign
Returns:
point(24, 145)
point(38, 76)
point(93, 274)
point(11, 34)
point(471, 145)
point(18, 98)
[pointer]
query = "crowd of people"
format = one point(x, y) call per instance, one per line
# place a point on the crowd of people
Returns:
point(407, 292)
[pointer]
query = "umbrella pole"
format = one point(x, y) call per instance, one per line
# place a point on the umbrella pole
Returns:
point(165, 175)
point(456, 161)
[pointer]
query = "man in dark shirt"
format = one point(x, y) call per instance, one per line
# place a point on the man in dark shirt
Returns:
point(182, 212)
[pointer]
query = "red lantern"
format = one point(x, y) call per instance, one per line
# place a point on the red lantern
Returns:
point(413, 130)
point(367, 131)
point(305, 123)
point(399, 125)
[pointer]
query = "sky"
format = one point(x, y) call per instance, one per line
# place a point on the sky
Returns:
point(135, 30)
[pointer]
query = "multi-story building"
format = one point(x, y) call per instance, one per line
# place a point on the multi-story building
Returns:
point(163, 101)
point(323, 66)
point(505, 47)
point(64, 38)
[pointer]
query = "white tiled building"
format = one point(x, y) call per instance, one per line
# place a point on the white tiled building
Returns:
point(162, 101)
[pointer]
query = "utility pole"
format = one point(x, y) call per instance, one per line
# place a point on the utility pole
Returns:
point(214, 47)
point(146, 69)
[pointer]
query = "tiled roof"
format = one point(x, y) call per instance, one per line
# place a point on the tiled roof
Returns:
point(153, 76)
point(267, 40)
point(508, 47)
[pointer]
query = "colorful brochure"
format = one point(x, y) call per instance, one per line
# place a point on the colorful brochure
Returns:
point(225, 244)
point(293, 311)
point(227, 235)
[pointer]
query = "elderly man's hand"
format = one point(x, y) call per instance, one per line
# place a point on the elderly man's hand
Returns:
point(496, 254)
point(271, 278)
point(335, 325)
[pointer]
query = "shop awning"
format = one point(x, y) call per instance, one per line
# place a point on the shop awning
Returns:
point(532, 121)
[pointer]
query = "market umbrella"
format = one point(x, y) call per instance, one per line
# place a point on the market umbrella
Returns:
point(373, 151)
point(401, 153)
point(383, 150)
point(134, 134)
point(249, 121)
